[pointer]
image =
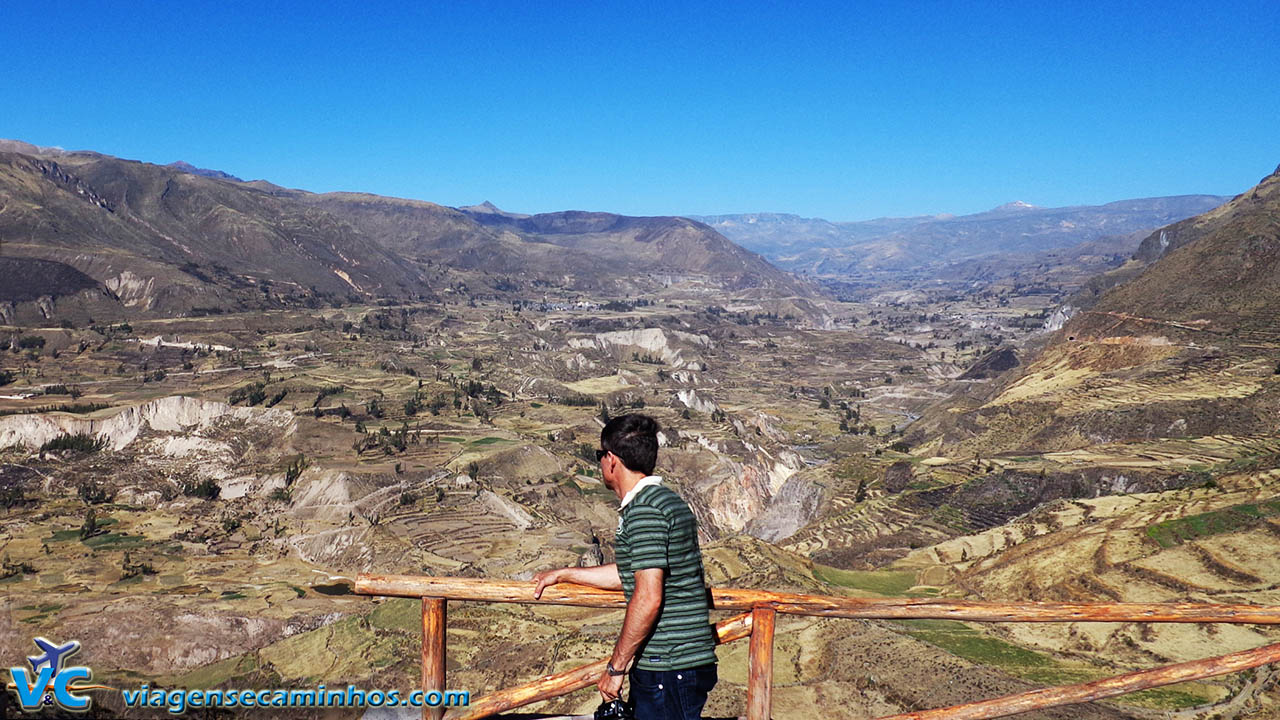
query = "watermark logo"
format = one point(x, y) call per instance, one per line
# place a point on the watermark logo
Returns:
point(49, 681)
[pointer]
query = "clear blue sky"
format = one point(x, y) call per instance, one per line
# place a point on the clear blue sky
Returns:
point(842, 110)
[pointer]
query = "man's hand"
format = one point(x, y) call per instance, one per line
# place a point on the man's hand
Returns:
point(604, 577)
point(545, 579)
point(610, 686)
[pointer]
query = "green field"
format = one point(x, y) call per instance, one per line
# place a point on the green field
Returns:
point(1177, 531)
point(113, 541)
point(963, 641)
point(880, 582)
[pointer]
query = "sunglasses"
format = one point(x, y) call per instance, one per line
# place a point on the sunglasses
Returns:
point(600, 454)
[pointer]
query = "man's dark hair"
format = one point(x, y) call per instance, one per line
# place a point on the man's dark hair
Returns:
point(634, 439)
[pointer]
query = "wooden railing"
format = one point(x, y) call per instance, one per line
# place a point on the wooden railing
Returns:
point(762, 607)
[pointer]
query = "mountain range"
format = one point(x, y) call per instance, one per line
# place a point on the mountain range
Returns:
point(821, 247)
point(90, 235)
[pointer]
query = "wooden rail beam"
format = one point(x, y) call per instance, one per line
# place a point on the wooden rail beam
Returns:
point(481, 590)
point(760, 667)
point(553, 686)
point(1100, 689)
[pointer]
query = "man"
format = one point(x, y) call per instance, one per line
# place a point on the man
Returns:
point(667, 639)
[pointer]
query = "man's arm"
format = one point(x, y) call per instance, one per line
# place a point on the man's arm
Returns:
point(604, 577)
point(642, 614)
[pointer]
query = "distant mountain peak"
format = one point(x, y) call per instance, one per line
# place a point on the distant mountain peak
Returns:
point(1016, 205)
point(484, 207)
point(488, 208)
point(27, 148)
point(187, 167)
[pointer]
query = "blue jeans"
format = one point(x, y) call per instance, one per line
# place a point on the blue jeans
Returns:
point(671, 694)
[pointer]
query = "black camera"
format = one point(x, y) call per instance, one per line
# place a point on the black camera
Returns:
point(616, 710)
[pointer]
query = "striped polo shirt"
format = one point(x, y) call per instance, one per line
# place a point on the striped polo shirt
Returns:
point(659, 531)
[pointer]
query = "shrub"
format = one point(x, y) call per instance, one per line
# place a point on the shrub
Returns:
point(90, 526)
point(133, 569)
point(75, 408)
point(327, 391)
point(207, 489)
point(79, 442)
point(254, 393)
point(294, 471)
point(95, 493)
point(6, 377)
point(9, 568)
point(30, 342)
point(11, 493)
point(577, 401)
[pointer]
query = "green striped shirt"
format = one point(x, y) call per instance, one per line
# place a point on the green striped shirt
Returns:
point(659, 531)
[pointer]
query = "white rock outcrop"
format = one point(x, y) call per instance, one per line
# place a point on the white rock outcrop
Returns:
point(1059, 318)
point(173, 414)
point(653, 342)
point(693, 401)
point(133, 290)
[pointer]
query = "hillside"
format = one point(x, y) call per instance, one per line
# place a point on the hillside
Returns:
point(1187, 346)
point(1216, 272)
point(165, 241)
point(641, 244)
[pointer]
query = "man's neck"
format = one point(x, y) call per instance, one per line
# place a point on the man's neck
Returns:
point(628, 481)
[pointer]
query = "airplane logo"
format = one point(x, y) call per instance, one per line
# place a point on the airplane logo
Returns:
point(50, 681)
point(54, 655)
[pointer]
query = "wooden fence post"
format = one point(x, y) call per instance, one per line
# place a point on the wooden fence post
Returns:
point(760, 670)
point(433, 652)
